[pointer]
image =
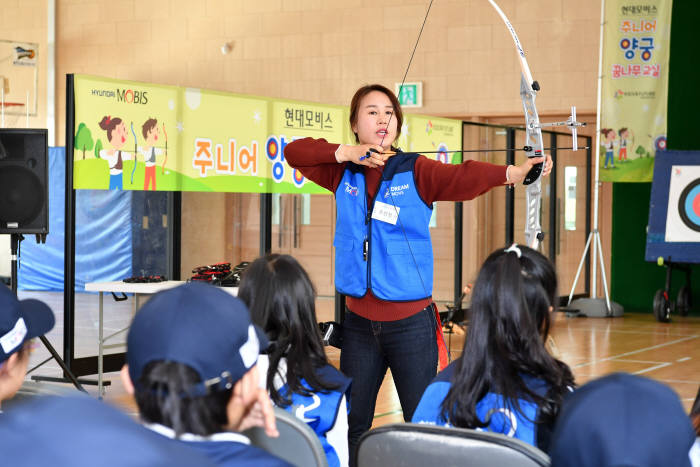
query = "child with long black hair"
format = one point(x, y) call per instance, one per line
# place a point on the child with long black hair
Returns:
point(281, 299)
point(505, 381)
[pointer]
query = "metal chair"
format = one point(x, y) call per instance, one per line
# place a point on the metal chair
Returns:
point(409, 444)
point(297, 443)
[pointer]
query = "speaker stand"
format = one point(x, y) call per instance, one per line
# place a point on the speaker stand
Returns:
point(15, 240)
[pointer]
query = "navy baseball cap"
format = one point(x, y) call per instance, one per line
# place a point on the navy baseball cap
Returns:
point(21, 320)
point(198, 325)
point(622, 419)
point(79, 431)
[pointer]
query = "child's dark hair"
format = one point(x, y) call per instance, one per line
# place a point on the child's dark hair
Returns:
point(508, 328)
point(147, 126)
point(108, 124)
point(281, 300)
point(162, 397)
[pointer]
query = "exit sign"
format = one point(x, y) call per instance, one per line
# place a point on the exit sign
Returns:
point(410, 94)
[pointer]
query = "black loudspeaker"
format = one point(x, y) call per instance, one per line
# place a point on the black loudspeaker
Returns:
point(24, 191)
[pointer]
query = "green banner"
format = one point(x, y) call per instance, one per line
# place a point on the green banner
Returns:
point(635, 88)
point(434, 136)
point(140, 136)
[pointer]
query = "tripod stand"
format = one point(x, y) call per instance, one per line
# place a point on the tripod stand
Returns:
point(595, 307)
point(15, 240)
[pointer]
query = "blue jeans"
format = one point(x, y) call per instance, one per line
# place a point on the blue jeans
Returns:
point(609, 158)
point(408, 347)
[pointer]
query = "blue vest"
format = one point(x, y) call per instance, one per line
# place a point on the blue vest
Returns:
point(319, 410)
point(501, 416)
point(395, 261)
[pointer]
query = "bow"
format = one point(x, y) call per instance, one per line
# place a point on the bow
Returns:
point(533, 147)
point(162, 168)
point(136, 148)
point(533, 139)
point(458, 151)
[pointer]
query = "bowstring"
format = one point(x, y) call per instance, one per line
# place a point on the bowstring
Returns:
point(391, 195)
point(410, 60)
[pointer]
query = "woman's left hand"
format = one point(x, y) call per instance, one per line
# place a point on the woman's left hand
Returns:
point(517, 173)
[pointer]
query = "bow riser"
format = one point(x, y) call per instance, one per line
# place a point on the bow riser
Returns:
point(533, 139)
point(533, 132)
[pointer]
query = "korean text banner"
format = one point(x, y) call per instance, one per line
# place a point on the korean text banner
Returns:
point(141, 136)
point(635, 88)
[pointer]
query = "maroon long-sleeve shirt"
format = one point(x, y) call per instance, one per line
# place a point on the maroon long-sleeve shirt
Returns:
point(435, 181)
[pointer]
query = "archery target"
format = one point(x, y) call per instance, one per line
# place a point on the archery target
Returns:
point(660, 143)
point(683, 214)
point(442, 154)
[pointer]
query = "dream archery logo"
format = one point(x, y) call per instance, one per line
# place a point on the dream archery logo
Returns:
point(398, 190)
point(351, 190)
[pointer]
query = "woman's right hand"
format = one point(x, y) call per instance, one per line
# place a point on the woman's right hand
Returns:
point(358, 154)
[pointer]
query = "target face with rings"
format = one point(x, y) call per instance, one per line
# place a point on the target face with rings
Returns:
point(689, 205)
point(660, 143)
point(683, 208)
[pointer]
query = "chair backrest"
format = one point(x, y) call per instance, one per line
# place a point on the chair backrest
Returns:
point(297, 443)
point(409, 444)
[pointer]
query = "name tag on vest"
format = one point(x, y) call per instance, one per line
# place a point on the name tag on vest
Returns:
point(385, 212)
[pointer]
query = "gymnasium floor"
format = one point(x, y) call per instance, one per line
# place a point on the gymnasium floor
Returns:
point(635, 343)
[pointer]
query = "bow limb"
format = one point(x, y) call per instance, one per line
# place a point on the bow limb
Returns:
point(533, 140)
point(162, 168)
point(136, 147)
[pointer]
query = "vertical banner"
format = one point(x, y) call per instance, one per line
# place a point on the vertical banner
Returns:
point(636, 53)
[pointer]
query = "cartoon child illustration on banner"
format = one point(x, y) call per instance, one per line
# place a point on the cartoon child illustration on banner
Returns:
point(115, 157)
point(626, 138)
point(151, 134)
point(609, 144)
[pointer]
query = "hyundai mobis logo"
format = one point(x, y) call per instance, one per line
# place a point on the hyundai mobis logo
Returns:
point(128, 96)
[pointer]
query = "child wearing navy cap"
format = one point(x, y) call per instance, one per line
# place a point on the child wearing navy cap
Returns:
point(622, 420)
point(20, 322)
point(295, 371)
point(191, 366)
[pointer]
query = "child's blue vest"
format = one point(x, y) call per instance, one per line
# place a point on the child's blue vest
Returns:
point(319, 410)
point(395, 261)
point(501, 415)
